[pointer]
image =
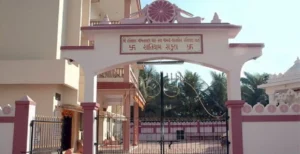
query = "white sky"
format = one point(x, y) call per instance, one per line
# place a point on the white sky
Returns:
point(273, 22)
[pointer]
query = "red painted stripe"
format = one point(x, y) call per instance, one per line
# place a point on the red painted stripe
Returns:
point(115, 85)
point(76, 47)
point(271, 118)
point(163, 26)
point(247, 45)
point(7, 119)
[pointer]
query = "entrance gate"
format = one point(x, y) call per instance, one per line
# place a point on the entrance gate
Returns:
point(161, 133)
point(184, 133)
point(159, 31)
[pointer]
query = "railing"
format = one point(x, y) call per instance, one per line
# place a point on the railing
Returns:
point(115, 73)
point(96, 23)
point(46, 134)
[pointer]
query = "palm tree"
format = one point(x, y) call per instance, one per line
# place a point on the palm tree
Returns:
point(191, 86)
point(218, 90)
point(250, 92)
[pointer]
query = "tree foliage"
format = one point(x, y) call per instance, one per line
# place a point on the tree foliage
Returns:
point(188, 95)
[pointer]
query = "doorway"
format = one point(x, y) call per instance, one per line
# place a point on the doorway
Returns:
point(66, 133)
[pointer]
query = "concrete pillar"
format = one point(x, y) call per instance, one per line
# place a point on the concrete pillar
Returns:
point(73, 22)
point(126, 124)
point(126, 73)
point(234, 85)
point(271, 93)
point(24, 114)
point(136, 124)
point(127, 8)
point(86, 14)
point(90, 87)
point(89, 126)
point(235, 126)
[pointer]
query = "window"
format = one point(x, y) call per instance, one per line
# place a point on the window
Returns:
point(57, 96)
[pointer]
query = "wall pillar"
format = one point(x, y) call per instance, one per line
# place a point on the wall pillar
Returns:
point(235, 126)
point(136, 124)
point(127, 8)
point(89, 126)
point(234, 84)
point(73, 33)
point(85, 21)
point(126, 124)
point(24, 114)
point(90, 87)
point(271, 93)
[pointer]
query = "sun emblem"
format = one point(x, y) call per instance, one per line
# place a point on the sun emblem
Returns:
point(161, 11)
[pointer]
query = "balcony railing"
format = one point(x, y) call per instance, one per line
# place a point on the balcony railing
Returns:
point(95, 23)
point(115, 73)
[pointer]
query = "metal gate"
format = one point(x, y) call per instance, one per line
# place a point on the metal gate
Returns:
point(46, 135)
point(162, 134)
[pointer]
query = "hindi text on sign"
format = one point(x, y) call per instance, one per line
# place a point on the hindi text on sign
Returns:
point(161, 44)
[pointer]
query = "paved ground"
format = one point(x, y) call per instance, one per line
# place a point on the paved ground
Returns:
point(208, 147)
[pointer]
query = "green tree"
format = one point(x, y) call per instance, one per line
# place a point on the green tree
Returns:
point(216, 93)
point(250, 92)
point(190, 86)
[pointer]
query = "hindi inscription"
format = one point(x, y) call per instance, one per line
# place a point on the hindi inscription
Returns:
point(161, 44)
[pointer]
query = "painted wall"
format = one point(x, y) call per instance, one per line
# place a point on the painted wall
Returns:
point(271, 137)
point(114, 11)
point(73, 21)
point(43, 94)
point(271, 129)
point(6, 140)
point(39, 72)
point(30, 29)
point(7, 129)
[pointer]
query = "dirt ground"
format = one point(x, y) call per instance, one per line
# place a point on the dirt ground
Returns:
point(208, 147)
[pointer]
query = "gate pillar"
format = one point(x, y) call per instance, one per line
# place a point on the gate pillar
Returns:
point(126, 124)
point(24, 114)
point(234, 84)
point(235, 126)
point(136, 124)
point(89, 126)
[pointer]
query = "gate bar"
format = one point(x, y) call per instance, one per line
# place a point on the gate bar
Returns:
point(162, 143)
point(31, 137)
point(97, 133)
point(227, 129)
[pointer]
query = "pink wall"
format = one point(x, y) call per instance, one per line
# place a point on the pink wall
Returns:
point(267, 129)
point(15, 125)
point(7, 117)
point(151, 130)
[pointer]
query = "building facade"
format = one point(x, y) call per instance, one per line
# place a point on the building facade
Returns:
point(30, 56)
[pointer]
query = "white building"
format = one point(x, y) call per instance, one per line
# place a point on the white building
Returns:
point(284, 88)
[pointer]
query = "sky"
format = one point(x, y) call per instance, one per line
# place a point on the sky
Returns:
point(276, 23)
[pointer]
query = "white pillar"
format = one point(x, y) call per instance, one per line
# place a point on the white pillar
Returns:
point(73, 22)
point(86, 12)
point(90, 87)
point(271, 92)
point(234, 85)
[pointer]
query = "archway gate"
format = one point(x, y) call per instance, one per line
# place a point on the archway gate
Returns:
point(160, 32)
